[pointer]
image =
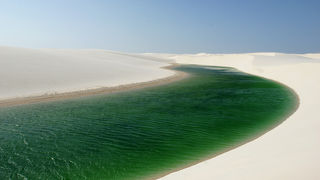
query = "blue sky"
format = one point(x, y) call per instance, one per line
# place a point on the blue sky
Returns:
point(173, 26)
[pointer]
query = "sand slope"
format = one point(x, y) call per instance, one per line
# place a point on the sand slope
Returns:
point(30, 72)
point(288, 152)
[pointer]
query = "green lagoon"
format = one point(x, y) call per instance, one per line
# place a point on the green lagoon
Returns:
point(141, 133)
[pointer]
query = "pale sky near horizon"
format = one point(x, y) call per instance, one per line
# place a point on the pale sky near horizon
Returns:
point(168, 26)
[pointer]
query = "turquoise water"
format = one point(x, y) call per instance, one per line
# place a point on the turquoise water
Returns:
point(141, 133)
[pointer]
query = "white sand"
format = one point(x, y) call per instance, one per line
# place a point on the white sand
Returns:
point(291, 151)
point(31, 72)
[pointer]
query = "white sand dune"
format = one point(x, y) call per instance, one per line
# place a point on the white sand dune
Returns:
point(30, 72)
point(288, 152)
point(314, 56)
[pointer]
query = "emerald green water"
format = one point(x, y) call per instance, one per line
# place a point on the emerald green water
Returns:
point(141, 133)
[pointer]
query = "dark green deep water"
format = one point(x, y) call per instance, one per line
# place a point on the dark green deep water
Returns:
point(141, 133)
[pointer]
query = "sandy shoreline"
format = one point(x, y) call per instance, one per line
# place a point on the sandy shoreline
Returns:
point(35, 72)
point(289, 151)
point(105, 90)
point(256, 136)
point(178, 75)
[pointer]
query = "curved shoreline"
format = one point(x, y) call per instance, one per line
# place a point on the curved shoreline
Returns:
point(278, 151)
point(245, 142)
point(204, 81)
point(178, 75)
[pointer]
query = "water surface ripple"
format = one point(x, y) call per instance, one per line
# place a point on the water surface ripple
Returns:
point(141, 133)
